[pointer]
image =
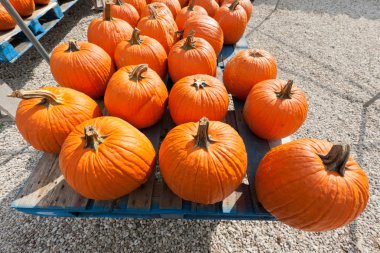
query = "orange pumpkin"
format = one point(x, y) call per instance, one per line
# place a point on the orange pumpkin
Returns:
point(211, 6)
point(6, 21)
point(286, 104)
point(206, 28)
point(142, 49)
point(158, 27)
point(107, 160)
point(82, 66)
point(139, 5)
point(107, 32)
point(191, 56)
point(312, 185)
point(188, 12)
point(197, 96)
point(161, 10)
point(233, 20)
point(203, 163)
point(23, 7)
point(174, 6)
point(125, 12)
point(246, 68)
point(137, 95)
point(46, 116)
point(246, 4)
point(44, 2)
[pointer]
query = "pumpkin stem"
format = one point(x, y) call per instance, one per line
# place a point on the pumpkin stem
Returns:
point(191, 6)
point(92, 137)
point(73, 46)
point(107, 11)
point(135, 39)
point(152, 11)
point(286, 91)
point(119, 2)
point(234, 5)
point(199, 84)
point(189, 43)
point(336, 158)
point(179, 34)
point(48, 97)
point(255, 53)
point(136, 74)
point(203, 140)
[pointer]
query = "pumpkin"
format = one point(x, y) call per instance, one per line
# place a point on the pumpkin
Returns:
point(107, 32)
point(188, 12)
point(246, 4)
point(137, 95)
point(106, 158)
point(139, 5)
point(233, 20)
point(6, 21)
point(204, 162)
point(275, 109)
point(190, 56)
point(163, 29)
point(23, 7)
point(173, 5)
point(246, 68)
point(44, 2)
point(211, 6)
point(161, 10)
point(197, 96)
point(142, 49)
point(46, 116)
point(312, 185)
point(125, 12)
point(82, 66)
point(206, 28)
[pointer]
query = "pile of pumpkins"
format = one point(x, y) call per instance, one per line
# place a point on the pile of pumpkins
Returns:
point(24, 8)
point(309, 184)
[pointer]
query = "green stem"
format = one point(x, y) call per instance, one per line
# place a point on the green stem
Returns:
point(234, 5)
point(202, 139)
point(337, 158)
point(191, 5)
point(286, 91)
point(136, 74)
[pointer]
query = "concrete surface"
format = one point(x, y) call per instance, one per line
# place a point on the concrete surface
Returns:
point(329, 48)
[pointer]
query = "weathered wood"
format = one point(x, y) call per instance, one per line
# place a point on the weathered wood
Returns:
point(7, 104)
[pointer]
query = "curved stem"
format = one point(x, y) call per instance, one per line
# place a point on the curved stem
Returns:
point(92, 137)
point(136, 74)
point(234, 5)
point(135, 39)
point(107, 11)
point(336, 159)
point(191, 6)
point(199, 84)
point(189, 43)
point(286, 91)
point(73, 46)
point(202, 139)
point(152, 11)
point(48, 97)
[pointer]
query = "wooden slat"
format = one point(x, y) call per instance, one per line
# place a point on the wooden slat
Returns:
point(214, 208)
point(7, 104)
point(276, 143)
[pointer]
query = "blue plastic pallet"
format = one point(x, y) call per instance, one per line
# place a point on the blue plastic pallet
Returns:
point(14, 43)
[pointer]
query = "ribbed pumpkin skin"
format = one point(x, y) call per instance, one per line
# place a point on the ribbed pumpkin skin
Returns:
point(246, 68)
point(200, 60)
point(138, 4)
point(150, 51)
point(211, 6)
point(293, 184)
point(6, 21)
point(207, 28)
point(107, 34)
point(185, 14)
point(246, 4)
point(126, 12)
point(233, 22)
point(41, 1)
point(273, 118)
point(46, 127)
point(87, 70)
point(23, 7)
point(120, 165)
point(188, 103)
point(173, 5)
point(200, 175)
point(140, 103)
point(161, 8)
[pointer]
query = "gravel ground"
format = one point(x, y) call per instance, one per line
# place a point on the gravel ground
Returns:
point(330, 49)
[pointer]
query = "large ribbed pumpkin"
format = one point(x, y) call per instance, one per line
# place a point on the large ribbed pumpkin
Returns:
point(23, 7)
point(106, 158)
point(82, 66)
point(233, 20)
point(197, 96)
point(159, 27)
point(46, 116)
point(191, 56)
point(161, 10)
point(275, 109)
point(246, 4)
point(246, 68)
point(203, 162)
point(211, 6)
point(173, 5)
point(206, 28)
point(137, 95)
point(188, 12)
point(6, 21)
point(138, 4)
point(126, 12)
point(107, 32)
point(142, 49)
point(312, 185)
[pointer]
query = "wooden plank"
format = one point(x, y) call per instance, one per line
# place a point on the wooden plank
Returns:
point(276, 143)
point(7, 104)
point(200, 208)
